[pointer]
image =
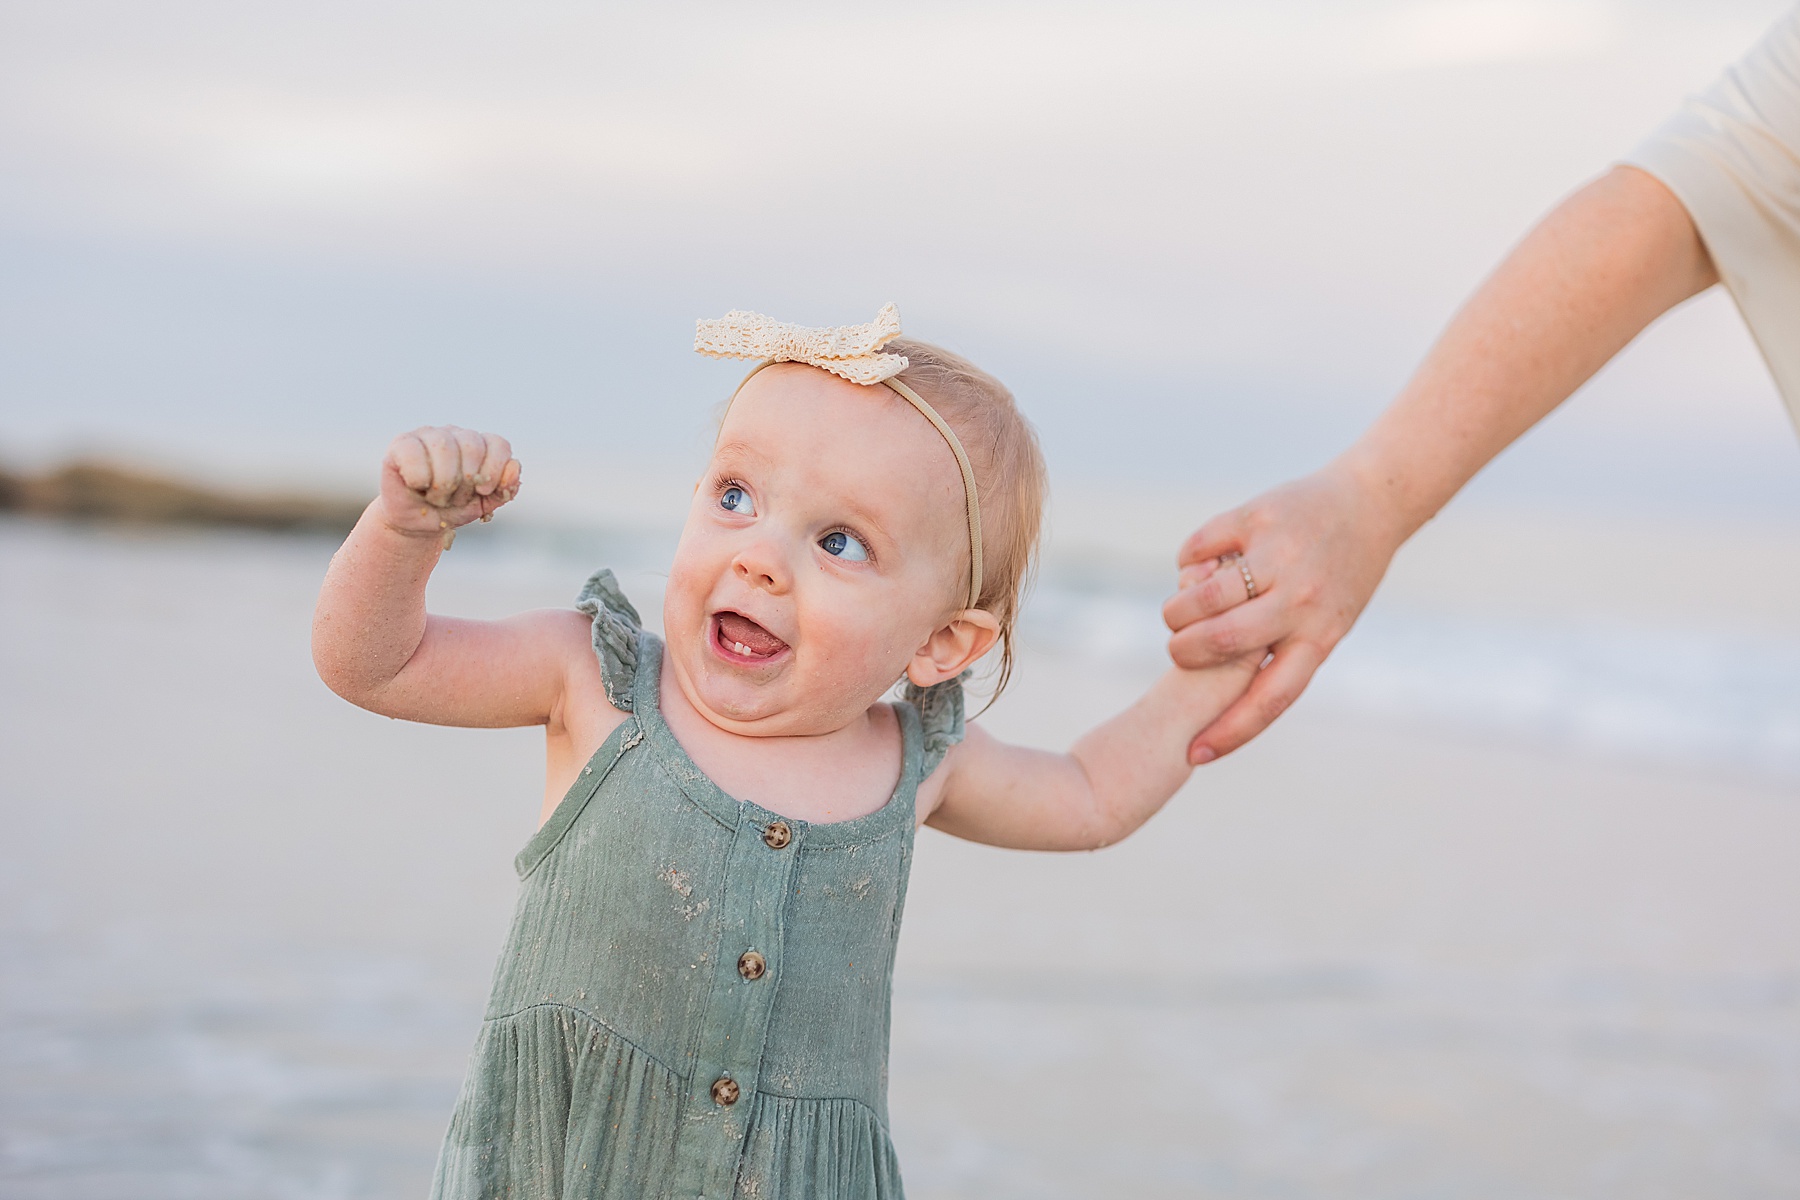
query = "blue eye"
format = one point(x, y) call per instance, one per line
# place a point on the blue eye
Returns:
point(737, 500)
point(839, 544)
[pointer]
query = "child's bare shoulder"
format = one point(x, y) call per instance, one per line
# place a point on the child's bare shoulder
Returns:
point(558, 644)
point(561, 636)
point(572, 629)
point(583, 717)
point(567, 636)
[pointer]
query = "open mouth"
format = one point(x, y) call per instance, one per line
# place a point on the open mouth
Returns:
point(741, 640)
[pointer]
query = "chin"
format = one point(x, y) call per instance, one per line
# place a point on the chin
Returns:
point(724, 695)
point(731, 703)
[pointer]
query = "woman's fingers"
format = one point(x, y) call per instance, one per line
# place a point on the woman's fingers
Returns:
point(1222, 535)
point(1211, 587)
point(1317, 549)
point(1196, 574)
point(1230, 635)
point(1274, 689)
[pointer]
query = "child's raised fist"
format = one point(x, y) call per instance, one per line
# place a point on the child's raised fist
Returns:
point(439, 478)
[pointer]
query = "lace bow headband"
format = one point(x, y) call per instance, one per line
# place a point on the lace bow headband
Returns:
point(851, 352)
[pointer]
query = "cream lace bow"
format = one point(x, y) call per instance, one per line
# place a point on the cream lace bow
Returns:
point(850, 351)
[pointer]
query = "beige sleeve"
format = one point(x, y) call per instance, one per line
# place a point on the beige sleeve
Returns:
point(1731, 155)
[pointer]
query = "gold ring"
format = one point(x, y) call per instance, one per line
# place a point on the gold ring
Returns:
point(1244, 570)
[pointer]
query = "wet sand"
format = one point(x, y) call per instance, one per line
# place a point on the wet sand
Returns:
point(246, 930)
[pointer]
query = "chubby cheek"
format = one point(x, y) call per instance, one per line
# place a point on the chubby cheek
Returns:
point(855, 644)
point(699, 561)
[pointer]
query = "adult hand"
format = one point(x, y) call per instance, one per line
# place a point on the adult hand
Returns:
point(1588, 279)
point(1316, 549)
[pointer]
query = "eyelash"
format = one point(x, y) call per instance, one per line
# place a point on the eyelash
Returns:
point(851, 533)
point(724, 483)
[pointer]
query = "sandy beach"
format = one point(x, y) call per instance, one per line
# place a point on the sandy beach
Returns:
point(247, 929)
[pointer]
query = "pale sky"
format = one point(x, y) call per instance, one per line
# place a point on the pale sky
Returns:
point(1203, 241)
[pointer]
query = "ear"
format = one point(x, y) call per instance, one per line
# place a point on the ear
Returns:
point(952, 648)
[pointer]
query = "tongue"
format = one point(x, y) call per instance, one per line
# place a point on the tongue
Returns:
point(753, 637)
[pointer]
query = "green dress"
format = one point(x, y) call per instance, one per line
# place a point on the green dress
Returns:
point(694, 997)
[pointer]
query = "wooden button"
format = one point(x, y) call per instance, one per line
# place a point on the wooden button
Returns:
point(778, 835)
point(751, 965)
point(725, 1091)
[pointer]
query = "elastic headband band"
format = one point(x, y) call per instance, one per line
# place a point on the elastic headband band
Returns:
point(962, 461)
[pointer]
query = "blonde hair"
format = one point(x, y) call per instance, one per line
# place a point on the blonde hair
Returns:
point(1010, 479)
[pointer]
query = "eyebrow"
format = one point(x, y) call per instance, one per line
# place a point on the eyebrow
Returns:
point(736, 449)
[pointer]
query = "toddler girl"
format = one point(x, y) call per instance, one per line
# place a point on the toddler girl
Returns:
point(693, 1000)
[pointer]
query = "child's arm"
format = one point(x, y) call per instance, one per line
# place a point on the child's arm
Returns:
point(373, 642)
point(1112, 781)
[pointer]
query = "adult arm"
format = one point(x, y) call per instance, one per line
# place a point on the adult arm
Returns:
point(1603, 265)
point(1713, 195)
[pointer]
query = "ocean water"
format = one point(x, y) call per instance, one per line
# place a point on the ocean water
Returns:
point(1697, 698)
point(1456, 927)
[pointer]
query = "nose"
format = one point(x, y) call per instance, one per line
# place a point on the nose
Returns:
point(762, 565)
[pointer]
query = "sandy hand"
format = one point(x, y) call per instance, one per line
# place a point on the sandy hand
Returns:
point(436, 479)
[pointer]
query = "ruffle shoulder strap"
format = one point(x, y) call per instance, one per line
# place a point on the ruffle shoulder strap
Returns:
point(940, 709)
point(616, 629)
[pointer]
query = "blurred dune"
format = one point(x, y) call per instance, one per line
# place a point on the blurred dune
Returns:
point(110, 491)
